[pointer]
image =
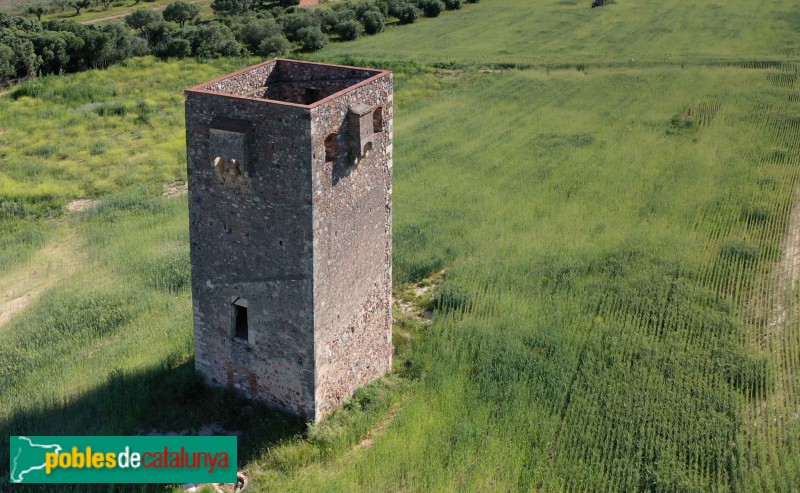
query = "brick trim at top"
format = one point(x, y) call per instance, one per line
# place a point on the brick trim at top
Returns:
point(199, 87)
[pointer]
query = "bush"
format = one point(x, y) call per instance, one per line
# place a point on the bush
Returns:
point(293, 23)
point(349, 30)
point(212, 41)
point(312, 38)
point(273, 46)
point(404, 12)
point(373, 21)
point(431, 8)
point(254, 31)
point(327, 19)
point(452, 4)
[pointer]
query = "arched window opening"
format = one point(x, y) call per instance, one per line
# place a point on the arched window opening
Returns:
point(219, 164)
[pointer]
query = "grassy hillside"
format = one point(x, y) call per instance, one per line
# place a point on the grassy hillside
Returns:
point(569, 32)
point(618, 311)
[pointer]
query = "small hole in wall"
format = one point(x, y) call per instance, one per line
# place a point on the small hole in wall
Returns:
point(219, 164)
point(377, 120)
point(280, 242)
point(366, 151)
point(331, 147)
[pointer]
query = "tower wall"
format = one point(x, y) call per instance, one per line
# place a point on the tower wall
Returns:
point(289, 171)
point(251, 237)
point(352, 225)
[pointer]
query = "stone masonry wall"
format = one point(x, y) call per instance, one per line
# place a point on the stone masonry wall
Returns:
point(295, 226)
point(352, 248)
point(251, 238)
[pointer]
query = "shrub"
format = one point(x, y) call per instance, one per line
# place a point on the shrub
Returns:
point(327, 19)
point(273, 46)
point(373, 21)
point(293, 23)
point(452, 4)
point(349, 29)
point(312, 38)
point(254, 31)
point(213, 40)
point(404, 12)
point(431, 8)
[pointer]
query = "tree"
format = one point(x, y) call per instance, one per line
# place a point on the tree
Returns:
point(289, 3)
point(255, 30)
point(404, 12)
point(106, 3)
point(181, 12)
point(349, 29)
point(231, 7)
point(213, 40)
point(373, 21)
point(273, 46)
point(7, 70)
point(452, 4)
point(37, 10)
point(79, 5)
point(432, 8)
point(312, 38)
point(294, 22)
point(61, 4)
point(138, 19)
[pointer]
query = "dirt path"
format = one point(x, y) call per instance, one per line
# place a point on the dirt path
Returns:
point(769, 418)
point(57, 260)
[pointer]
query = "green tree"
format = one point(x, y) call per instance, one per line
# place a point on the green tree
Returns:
point(403, 11)
point(254, 31)
point(138, 19)
point(213, 40)
point(181, 12)
point(231, 7)
point(294, 22)
point(374, 21)
point(312, 38)
point(431, 8)
point(79, 5)
point(7, 70)
point(107, 3)
point(37, 10)
point(349, 29)
point(452, 4)
point(273, 46)
point(61, 4)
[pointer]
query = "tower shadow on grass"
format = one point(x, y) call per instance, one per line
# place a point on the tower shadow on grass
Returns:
point(169, 399)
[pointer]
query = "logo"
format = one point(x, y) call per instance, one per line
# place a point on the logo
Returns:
point(122, 459)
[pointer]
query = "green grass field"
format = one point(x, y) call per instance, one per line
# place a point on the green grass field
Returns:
point(615, 217)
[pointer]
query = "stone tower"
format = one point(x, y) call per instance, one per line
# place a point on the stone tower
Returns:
point(290, 207)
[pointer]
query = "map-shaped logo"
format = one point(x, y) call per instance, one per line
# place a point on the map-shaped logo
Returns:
point(28, 457)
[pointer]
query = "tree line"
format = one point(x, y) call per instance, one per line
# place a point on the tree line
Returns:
point(29, 48)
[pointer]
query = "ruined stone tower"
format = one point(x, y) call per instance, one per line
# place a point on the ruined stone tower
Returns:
point(290, 199)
